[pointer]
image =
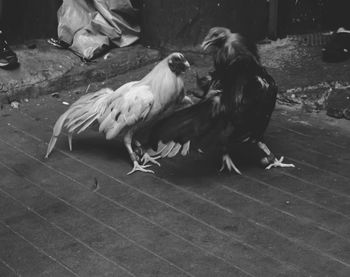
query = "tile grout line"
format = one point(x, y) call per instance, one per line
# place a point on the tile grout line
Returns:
point(204, 199)
point(157, 200)
point(284, 173)
point(195, 195)
point(320, 169)
point(340, 194)
point(297, 217)
point(34, 246)
point(291, 175)
point(341, 146)
point(337, 145)
point(14, 271)
point(293, 216)
point(296, 196)
point(266, 227)
point(272, 187)
point(63, 231)
point(244, 195)
point(314, 151)
point(257, 223)
point(96, 220)
point(140, 216)
point(310, 247)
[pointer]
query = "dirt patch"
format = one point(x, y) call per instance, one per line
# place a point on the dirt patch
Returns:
point(305, 81)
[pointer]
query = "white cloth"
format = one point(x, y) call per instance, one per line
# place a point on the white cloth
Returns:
point(92, 26)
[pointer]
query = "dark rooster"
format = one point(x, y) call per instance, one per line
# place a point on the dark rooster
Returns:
point(236, 108)
point(132, 107)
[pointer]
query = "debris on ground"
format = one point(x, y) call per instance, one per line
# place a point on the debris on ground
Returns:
point(305, 81)
point(55, 95)
point(31, 46)
point(88, 87)
point(334, 97)
point(106, 56)
point(282, 52)
point(14, 105)
point(310, 98)
point(96, 185)
point(338, 105)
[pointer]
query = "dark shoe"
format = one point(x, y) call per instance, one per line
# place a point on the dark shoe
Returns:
point(8, 58)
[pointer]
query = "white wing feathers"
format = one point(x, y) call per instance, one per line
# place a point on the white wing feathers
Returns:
point(131, 107)
point(114, 110)
point(170, 149)
point(127, 110)
point(81, 114)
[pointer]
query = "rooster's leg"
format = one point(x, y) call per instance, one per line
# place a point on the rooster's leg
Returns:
point(70, 139)
point(271, 160)
point(133, 156)
point(147, 158)
point(228, 163)
point(142, 168)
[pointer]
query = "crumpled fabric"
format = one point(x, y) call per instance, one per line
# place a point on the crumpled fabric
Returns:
point(91, 27)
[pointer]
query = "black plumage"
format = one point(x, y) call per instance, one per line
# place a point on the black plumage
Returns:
point(237, 107)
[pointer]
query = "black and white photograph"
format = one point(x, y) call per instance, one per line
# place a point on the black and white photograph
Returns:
point(173, 138)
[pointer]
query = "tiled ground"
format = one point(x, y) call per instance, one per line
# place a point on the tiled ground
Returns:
point(78, 214)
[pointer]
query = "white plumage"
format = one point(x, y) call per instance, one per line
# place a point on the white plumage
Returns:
point(129, 108)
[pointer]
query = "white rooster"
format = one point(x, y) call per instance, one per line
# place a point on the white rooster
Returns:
point(129, 108)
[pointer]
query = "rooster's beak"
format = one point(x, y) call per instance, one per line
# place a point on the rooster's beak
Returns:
point(206, 44)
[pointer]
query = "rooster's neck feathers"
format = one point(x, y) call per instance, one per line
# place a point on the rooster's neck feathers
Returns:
point(235, 46)
point(164, 83)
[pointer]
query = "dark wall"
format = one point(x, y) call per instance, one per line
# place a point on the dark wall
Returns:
point(306, 16)
point(179, 22)
point(185, 22)
point(27, 19)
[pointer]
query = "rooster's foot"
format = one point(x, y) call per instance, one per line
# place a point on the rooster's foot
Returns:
point(142, 168)
point(147, 158)
point(228, 163)
point(279, 163)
